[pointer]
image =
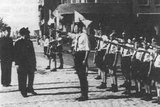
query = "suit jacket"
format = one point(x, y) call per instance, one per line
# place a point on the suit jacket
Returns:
point(6, 49)
point(25, 54)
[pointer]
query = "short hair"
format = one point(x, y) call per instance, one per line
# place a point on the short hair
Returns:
point(24, 31)
point(8, 28)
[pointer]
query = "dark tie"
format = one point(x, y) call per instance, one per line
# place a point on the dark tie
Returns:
point(77, 43)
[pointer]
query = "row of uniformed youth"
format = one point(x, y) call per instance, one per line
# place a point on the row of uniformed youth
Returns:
point(139, 62)
point(135, 59)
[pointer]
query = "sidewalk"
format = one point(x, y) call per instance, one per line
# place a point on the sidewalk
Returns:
point(60, 88)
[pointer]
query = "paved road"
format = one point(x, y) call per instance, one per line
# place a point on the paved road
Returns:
point(59, 89)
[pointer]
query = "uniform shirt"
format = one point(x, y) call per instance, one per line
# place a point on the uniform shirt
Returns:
point(148, 55)
point(139, 53)
point(157, 62)
point(101, 44)
point(82, 42)
point(127, 52)
point(25, 54)
point(46, 42)
point(111, 48)
point(73, 36)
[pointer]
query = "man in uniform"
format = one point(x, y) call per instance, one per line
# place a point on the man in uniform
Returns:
point(6, 57)
point(25, 62)
point(81, 57)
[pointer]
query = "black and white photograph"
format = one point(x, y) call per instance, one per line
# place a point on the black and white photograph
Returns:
point(79, 53)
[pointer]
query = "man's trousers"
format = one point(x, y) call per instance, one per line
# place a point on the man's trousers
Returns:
point(6, 67)
point(23, 74)
point(81, 71)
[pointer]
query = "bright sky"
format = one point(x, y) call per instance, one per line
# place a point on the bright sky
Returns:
point(20, 13)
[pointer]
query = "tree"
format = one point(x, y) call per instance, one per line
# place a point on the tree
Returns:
point(2, 25)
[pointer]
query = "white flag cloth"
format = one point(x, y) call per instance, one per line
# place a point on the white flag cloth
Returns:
point(79, 17)
point(86, 22)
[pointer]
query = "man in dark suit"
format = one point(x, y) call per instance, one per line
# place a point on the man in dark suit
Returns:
point(25, 61)
point(6, 57)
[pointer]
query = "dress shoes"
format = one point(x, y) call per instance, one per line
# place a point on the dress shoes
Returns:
point(82, 98)
point(32, 92)
point(24, 94)
point(48, 67)
point(60, 67)
point(98, 77)
point(54, 69)
point(102, 86)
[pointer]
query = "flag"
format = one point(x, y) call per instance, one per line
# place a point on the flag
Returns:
point(86, 22)
point(58, 18)
point(79, 17)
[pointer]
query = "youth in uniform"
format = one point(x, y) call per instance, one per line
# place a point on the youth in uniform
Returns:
point(145, 73)
point(110, 61)
point(81, 57)
point(155, 74)
point(126, 65)
point(135, 67)
point(101, 50)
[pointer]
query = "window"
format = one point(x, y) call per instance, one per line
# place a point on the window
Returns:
point(83, 1)
point(157, 2)
point(143, 2)
point(91, 1)
point(107, 1)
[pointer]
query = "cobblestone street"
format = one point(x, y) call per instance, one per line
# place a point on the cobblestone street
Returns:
point(60, 88)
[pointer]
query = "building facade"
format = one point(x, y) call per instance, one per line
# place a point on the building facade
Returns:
point(136, 17)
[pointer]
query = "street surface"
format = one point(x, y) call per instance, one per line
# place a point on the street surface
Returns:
point(60, 88)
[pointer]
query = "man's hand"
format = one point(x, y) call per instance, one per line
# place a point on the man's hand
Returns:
point(84, 62)
point(17, 66)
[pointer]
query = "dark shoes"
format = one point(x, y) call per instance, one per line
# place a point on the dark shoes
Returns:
point(60, 67)
point(54, 69)
point(82, 98)
point(147, 97)
point(102, 86)
point(24, 94)
point(114, 88)
point(156, 101)
point(31, 91)
point(123, 85)
point(7, 85)
point(48, 67)
point(126, 92)
point(98, 77)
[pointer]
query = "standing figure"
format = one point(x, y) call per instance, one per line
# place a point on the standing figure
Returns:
point(126, 66)
point(60, 49)
point(155, 73)
point(111, 58)
point(25, 62)
point(81, 57)
point(46, 44)
point(101, 47)
point(136, 63)
point(6, 57)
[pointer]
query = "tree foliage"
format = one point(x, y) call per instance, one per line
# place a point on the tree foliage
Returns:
point(2, 24)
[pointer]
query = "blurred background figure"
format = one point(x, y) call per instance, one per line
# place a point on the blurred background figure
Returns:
point(6, 57)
